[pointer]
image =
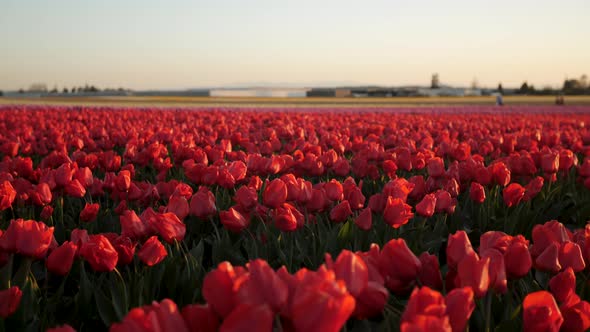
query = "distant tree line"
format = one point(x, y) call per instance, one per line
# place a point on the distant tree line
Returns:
point(80, 89)
point(572, 86)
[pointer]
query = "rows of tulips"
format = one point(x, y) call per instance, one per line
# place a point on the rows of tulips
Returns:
point(129, 218)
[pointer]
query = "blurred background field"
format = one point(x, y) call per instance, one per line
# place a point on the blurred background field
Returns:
point(289, 102)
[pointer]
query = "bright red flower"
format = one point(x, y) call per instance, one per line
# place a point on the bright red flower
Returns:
point(163, 316)
point(9, 301)
point(7, 195)
point(563, 285)
point(334, 190)
point(99, 253)
point(429, 274)
point(426, 206)
point(62, 328)
point(179, 206)
point(125, 249)
point(397, 213)
point(234, 220)
point(27, 237)
point(248, 317)
point(275, 193)
point(398, 265)
point(200, 318)
point(425, 311)
point(513, 194)
point(353, 271)
point(460, 305)
point(340, 212)
point(364, 220)
point(533, 188)
point(89, 213)
point(218, 289)
point(435, 167)
point(540, 312)
point(75, 189)
point(152, 252)
point(203, 203)
point(458, 247)
point(477, 193)
point(474, 272)
point(60, 260)
point(123, 181)
point(284, 219)
point(168, 226)
point(517, 259)
point(262, 286)
point(132, 226)
point(319, 303)
point(246, 197)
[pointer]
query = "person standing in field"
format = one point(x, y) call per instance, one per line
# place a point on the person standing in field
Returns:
point(499, 100)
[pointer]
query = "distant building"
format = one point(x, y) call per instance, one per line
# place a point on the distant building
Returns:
point(259, 92)
point(38, 88)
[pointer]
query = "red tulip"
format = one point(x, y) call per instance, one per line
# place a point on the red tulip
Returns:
point(563, 285)
point(458, 247)
point(248, 317)
point(533, 188)
point(7, 195)
point(398, 265)
point(218, 289)
point(474, 272)
point(397, 213)
point(168, 226)
point(460, 305)
point(60, 260)
point(123, 181)
point(275, 193)
point(540, 312)
point(152, 252)
point(364, 220)
point(425, 311)
point(75, 189)
point(234, 220)
point(163, 316)
point(27, 237)
point(99, 253)
point(284, 218)
point(89, 212)
point(513, 194)
point(477, 193)
point(246, 197)
point(334, 190)
point(517, 260)
point(353, 271)
point(436, 167)
point(497, 270)
point(179, 206)
point(340, 212)
point(9, 301)
point(262, 286)
point(200, 318)
point(550, 162)
point(429, 274)
point(319, 303)
point(132, 226)
point(62, 328)
point(203, 203)
point(576, 317)
point(426, 206)
point(125, 249)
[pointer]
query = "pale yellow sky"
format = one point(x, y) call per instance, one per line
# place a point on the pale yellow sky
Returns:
point(185, 44)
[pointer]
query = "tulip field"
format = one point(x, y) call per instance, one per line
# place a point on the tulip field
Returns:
point(466, 218)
